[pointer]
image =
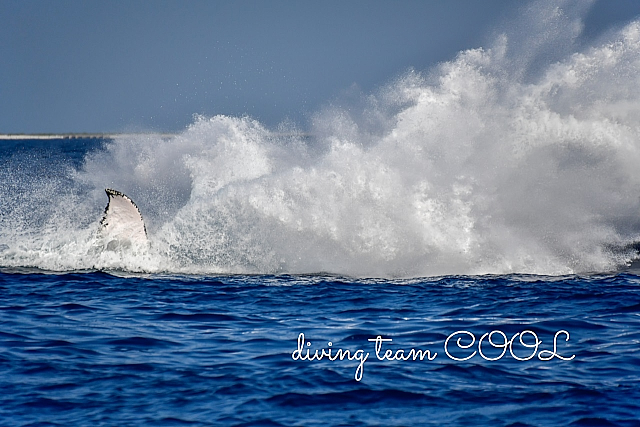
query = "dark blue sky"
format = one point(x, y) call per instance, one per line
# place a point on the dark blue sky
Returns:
point(94, 66)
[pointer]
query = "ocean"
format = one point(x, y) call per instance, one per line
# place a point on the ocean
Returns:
point(97, 348)
point(458, 248)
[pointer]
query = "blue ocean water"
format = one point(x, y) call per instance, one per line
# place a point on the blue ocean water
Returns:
point(106, 349)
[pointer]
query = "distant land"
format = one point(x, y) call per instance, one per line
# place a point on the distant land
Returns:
point(26, 136)
point(19, 136)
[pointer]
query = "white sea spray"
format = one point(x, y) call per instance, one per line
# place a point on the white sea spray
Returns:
point(517, 157)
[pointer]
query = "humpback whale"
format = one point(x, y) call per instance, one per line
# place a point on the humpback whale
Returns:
point(122, 225)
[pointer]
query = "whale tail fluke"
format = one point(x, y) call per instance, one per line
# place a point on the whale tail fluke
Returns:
point(122, 225)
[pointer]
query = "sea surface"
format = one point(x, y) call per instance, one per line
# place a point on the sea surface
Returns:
point(98, 348)
point(459, 247)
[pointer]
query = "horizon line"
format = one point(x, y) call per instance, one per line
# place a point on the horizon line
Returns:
point(109, 135)
point(79, 135)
